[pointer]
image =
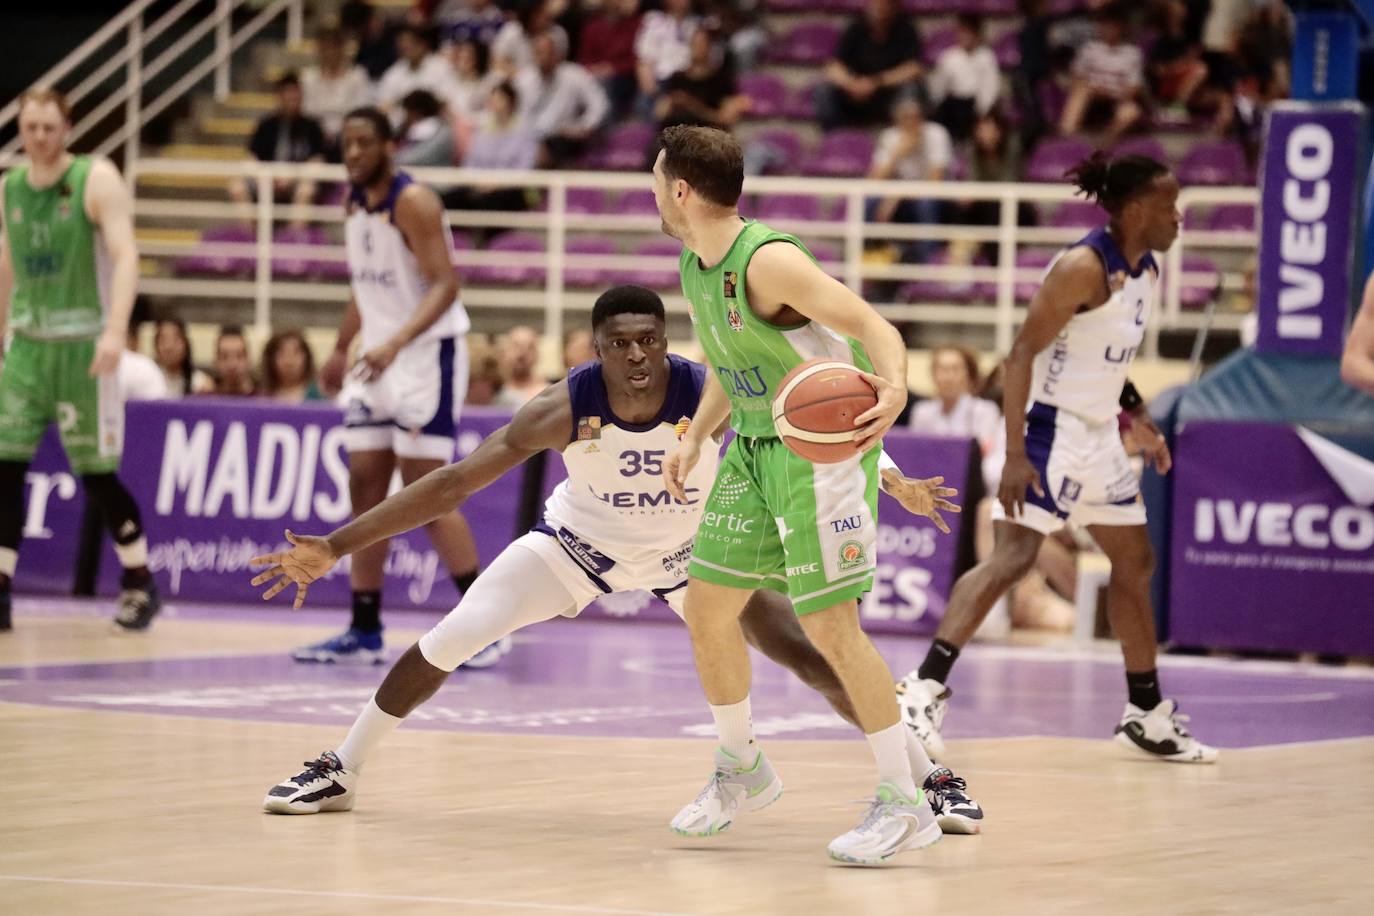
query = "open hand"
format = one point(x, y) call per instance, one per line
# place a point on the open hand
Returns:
point(921, 497)
point(307, 560)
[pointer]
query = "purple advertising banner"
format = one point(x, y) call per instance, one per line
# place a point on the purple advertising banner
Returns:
point(219, 481)
point(1269, 552)
point(1309, 185)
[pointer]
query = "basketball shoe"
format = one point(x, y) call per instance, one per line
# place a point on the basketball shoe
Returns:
point(923, 704)
point(954, 810)
point(490, 655)
point(732, 790)
point(137, 607)
point(351, 647)
point(1161, 734)
point(324, 785)
point(893, 824)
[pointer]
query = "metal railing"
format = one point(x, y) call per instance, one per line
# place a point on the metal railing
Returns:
point(124, 42)
point(554, 223)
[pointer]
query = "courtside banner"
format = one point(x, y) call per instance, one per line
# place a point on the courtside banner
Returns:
point(220, 480)
point(1309, 187)
point(1273, 541)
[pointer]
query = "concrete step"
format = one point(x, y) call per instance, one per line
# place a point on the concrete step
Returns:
point(204, 151)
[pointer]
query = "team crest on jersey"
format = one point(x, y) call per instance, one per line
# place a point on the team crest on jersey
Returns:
point(1117, 281)
point(733, 316)
point(681, 427)
point(1069, 490)
point(588, 428)
point(852, 555)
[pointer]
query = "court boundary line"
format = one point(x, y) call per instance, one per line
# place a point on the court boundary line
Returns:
point(346, 895)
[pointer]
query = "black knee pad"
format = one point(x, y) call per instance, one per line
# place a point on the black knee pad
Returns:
point(116, 505)
point(12, 502)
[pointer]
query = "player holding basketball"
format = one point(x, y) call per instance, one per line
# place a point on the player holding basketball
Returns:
point(611, 526)
point(407, 388)
point(760, 306)
point(68, 276)
point(1065, 461)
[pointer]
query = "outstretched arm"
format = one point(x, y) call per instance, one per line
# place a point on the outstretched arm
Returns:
point(545, 422)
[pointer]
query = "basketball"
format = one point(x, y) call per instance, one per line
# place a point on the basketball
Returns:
point(815, 408)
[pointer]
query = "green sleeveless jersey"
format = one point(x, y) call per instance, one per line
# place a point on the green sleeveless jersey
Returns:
point(57, 282)
point(749, 355)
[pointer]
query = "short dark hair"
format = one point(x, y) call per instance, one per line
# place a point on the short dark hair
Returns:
point(709, 160)
point(1113, 183)
point(626, 300)
point(967, 356)
point(289, 78)
point(972, 21)
point(422, 102)
point(373, 116)
point(330, 35)
point(507, 88)
point(272, 382)
point(229, 330)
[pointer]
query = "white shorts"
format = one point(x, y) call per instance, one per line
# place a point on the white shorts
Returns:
point(1087, 478)
point(591, 572)
point(413, 409)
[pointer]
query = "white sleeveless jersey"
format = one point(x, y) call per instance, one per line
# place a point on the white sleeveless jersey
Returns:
point(386, 279)
point(614, 495)
point(1085, 367)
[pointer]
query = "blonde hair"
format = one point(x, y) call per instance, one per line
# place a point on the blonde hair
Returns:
point(46, 96)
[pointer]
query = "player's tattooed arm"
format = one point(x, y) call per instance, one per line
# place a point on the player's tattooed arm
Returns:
point(1075, 282)
point(546, 422)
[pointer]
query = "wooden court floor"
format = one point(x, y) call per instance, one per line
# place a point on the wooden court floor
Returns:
point(116, 812)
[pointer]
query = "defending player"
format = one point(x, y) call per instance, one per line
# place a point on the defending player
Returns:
point(611, 526)
point(406, 391)
point(68, 276)
point(1065, 460)
point(760, 306)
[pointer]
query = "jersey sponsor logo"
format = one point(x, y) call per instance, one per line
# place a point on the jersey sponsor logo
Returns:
point(748, 383)
point(731, 282)
point(729, 488)
point(1059, 355)
point(1069, 491)
point(728, 521)
point(675, 563)
point(852, 556)
point(733, 316)
point(42, 265)
point(585, 553)
point(588, 428)
point(591, 449)
point(371, 276)
point(1124, 355)
point(641, 499)
point(803, 570)
point(851, 523)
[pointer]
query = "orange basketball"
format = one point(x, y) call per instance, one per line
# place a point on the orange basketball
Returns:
point(815, 408)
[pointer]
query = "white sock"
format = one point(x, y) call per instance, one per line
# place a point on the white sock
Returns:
point(735, 726)
point(372, 725)
point(921, 764)
point(894, 766)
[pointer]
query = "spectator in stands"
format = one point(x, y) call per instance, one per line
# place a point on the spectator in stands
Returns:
point(471, 80)
point(561, 102)
point(1174, 64)
point(957, 411)
point(878, 55)
point(288, 368)
point(172, 350)
point(462, 21)
point(503, 141)
point(140, 377)
point(912, 149)
point(375, 38)
point(1108, 76)
point(1035, 69)
point(996, 156)
point(418, 68)
point(607, 50)
point(425, 135)
point(517, 352)
point(288, 135)
point(333, 87)
point(704, 93)
point(512, 50)
point(233, 371)
point(738, 24)
point(577, 348)
point(966, 81)
point(484, 372)
point(662, 46)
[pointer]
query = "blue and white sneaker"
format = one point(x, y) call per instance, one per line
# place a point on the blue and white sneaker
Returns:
point(948, 797)
point(324, 785)
point(351, 647)
point(490, 655)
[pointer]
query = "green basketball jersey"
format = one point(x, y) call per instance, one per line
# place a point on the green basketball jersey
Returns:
point(57, 281)
point(749, 355)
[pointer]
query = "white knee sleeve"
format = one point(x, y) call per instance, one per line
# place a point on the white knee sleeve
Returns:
point(516, 590)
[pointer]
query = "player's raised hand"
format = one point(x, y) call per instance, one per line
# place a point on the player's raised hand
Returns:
point(307, 560)
point(1018, 476)
point(108, 349)
point(877, 420)
point(1153, 446)
point(679, 465)
point(921, 497)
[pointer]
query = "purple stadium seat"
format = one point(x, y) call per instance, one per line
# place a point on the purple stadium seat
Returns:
point(788, 146)
point(807, 43)
point(1008, 50)
point(298, 264)
point(660, 278)
point(510, 274)
point(1232, 218)
point(586, 200)
point(841, 154)
point(1051, 98)
point(947, 290)
point(797, 6)
point(1214, 162)
point(203, 262)
point(1031, 259)
point(1078, 214)
point(1054, 156)
point(788, 206)
point(800, 104)
point(989, 7)
point(937, 41)
point(623, 148)
point(587, 276)
point(767, 94)
point(1197, 290)
point(1142, 146)
point(637, 203)
point(837, 6)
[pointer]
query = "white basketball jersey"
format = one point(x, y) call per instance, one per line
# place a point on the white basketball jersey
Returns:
point(614, 495)
point(386, 279)
point(1085, 367)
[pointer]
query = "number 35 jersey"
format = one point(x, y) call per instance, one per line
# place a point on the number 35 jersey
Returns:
point(614, 495)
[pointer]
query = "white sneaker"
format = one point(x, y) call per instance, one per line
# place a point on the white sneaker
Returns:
point(491, 654)
point(732, 790)
point(923, 704)
point(893, 824)
point(1161, 734)
point(324, 785)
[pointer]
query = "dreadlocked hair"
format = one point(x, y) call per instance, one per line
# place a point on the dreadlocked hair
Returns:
point(1112, 183)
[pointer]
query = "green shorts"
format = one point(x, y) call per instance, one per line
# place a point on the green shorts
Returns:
point(48, 381)
point(777, 521)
